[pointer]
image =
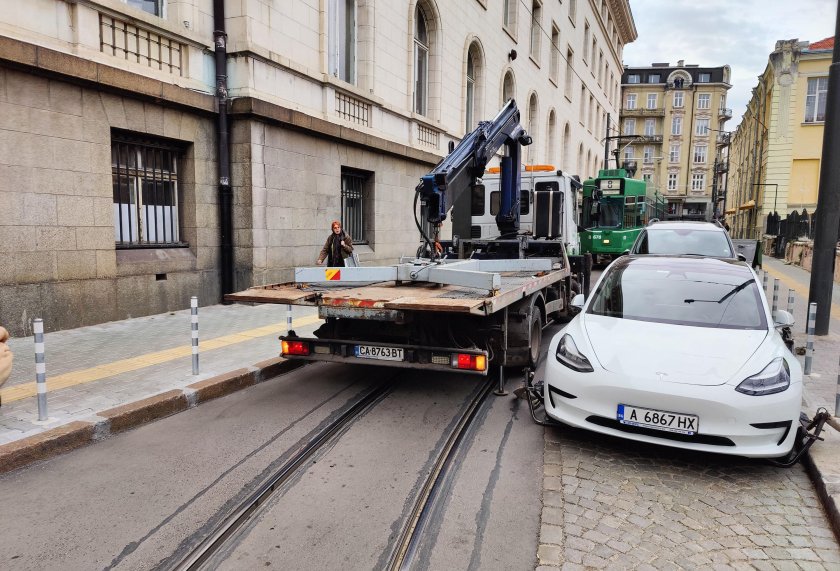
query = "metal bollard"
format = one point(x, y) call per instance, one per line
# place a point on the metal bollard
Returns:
point(40, 368)
point(775, 308)
point(809, 347)
point(790, 301)
point(194, 332)
point(837, 397)
point(288, 319)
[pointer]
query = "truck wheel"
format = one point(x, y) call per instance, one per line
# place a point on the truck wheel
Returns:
point(535, 337)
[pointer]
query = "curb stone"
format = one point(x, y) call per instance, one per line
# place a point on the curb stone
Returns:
point(79, 433)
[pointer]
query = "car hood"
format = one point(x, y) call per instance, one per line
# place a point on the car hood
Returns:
point(673, 353)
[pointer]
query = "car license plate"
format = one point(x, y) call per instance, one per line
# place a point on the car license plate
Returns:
point(381, 353)
point(658, 419)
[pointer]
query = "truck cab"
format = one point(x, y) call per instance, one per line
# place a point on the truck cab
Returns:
point(548, 205)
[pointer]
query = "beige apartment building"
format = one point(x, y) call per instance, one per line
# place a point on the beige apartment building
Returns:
point(776, 150)
point(672, 123)
point(157, 149)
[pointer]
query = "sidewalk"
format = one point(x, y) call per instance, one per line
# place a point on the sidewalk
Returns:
point(97, 368)
point(823, 461)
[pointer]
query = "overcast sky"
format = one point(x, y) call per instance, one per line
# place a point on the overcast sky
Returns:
point(740, 33)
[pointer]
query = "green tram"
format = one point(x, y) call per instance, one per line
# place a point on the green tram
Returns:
point(615, 208)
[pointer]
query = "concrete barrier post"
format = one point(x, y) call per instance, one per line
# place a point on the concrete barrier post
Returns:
point(790, 301)
point(40, 368)
point(837, 397)
point(809, 347)
point(288, 319)
point(764, 280)
point(194, 332)
point(775, 308)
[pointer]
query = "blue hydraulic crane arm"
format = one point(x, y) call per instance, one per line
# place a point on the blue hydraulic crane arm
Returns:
point(457, 172)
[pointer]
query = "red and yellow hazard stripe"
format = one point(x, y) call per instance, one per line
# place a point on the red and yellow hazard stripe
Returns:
point(332, 274)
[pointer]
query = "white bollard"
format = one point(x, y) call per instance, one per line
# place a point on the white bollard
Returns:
point(40, 368)
point(194, 332)
point(288, 319)
point(809, 347)
point(790, 301)
point(775, 308)
point(764, 280)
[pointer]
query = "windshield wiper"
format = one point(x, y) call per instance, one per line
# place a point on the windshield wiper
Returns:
point(734, 290)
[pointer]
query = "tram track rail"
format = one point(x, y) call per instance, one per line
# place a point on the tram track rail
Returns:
point(407, 544)
point(216, 540)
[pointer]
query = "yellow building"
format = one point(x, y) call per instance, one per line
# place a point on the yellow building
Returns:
point(672, 119)
point(775, 152)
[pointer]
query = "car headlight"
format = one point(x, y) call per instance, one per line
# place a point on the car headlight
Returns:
point(568, 354)
point(774, 378)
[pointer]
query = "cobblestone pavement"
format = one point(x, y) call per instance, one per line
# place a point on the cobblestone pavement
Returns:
point(612, 504)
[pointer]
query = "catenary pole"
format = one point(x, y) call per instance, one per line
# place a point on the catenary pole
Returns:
point(828, 199)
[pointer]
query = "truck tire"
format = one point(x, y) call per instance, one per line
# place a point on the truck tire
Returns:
point(535, 337)
point(524, 333)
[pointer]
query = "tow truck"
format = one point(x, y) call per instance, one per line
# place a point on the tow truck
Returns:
point(461, 304)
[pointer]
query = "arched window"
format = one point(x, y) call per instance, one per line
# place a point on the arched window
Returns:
point(567, 143)
point(532, 126)
point(580, 164)
point(508, 88)
point(421, 62)
point(588, 163)
point(475, 72)
point(550, 136)
point(342, 39)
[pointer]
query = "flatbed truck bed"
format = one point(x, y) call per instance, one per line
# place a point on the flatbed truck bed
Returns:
point(423, 324)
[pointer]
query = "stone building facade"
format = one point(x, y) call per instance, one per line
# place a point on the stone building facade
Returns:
point(677, 114)
point(777, 148)
point(109, 170)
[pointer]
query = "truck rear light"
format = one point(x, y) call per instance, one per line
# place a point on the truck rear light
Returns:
point(468, 361)
point(321, 349)
point(440, 359)
point(294, 348)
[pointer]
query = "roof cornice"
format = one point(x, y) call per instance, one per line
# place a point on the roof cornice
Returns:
point(620, 9)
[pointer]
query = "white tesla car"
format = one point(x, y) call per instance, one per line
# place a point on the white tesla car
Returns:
point(680, 352)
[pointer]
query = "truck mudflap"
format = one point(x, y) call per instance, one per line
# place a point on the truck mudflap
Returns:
point(474, 361)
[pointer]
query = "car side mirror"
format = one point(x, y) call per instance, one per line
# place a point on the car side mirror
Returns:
point(578, 301)
point(783, 319)
point(742, 257)
point(625, 253)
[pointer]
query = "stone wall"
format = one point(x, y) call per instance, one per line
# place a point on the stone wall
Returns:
point(58, 259)
point(295, 191)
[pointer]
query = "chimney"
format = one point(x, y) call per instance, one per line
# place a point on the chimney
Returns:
point(680, 63)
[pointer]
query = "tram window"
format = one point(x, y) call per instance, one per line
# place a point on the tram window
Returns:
point(478, 200)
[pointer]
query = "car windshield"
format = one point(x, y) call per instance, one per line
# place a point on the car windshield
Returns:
point(681, 293)
point(687, 241)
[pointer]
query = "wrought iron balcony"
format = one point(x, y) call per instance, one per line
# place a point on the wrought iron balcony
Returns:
point(722, 168)
point(724, 139)
point(724, 113)
point(648, 139)
point(643, 112)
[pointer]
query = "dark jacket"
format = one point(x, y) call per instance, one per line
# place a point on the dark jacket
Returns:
point(333, 244)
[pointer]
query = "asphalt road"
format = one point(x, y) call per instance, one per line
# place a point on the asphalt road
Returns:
point(143, 499)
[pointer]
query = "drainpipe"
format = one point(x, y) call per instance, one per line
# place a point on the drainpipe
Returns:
point(225, 190)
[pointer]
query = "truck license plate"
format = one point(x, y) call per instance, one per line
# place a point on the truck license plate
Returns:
point(381, 353)
point(658, 419)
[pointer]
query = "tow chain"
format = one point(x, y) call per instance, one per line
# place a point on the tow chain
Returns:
point(808, 433)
